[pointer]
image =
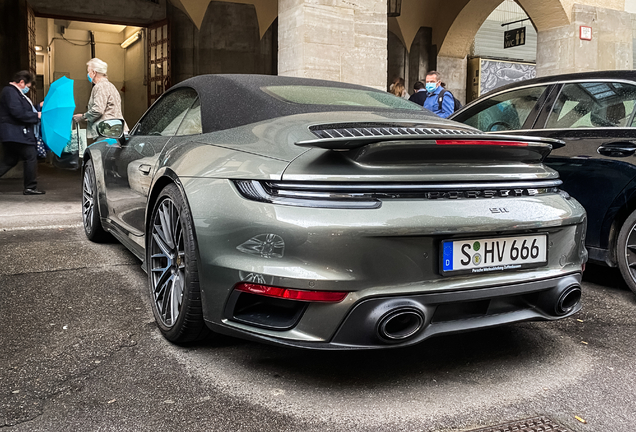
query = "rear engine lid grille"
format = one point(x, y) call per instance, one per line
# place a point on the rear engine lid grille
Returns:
point(381, 130)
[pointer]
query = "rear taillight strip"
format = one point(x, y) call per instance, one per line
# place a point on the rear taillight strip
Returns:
point(481, 143)
point(370, 196)
point(292, 294)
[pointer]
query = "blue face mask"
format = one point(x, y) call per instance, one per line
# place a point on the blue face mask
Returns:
point(25, 90)
point(430, 87)
point(90, 80)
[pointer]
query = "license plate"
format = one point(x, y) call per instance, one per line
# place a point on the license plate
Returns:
point(494, 254)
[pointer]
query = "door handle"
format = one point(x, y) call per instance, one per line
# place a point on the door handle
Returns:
point(617, 149)
point(145, 168)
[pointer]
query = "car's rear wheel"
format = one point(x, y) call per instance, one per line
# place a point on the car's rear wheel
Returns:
point(90, 209)
point(172, 269)
point(626, 251)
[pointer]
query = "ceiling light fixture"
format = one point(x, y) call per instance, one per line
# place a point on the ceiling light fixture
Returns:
point(131, 40)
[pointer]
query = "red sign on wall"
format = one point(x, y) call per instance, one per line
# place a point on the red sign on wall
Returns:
point(585, 33)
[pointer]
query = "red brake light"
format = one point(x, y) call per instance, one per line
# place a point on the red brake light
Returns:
point(291, 294)
point(481, 143)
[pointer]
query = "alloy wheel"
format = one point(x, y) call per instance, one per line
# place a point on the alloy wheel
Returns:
point(630, 252)
point(167, 262)
point(88, 201)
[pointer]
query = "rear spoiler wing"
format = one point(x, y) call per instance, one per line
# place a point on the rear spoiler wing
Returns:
point(541, 147)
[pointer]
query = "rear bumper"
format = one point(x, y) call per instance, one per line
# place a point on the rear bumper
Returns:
point(442, 313)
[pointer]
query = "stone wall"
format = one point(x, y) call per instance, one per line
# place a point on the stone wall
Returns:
point(228, 42)
point(129, 12)
point(333, 40)
point(560, 50)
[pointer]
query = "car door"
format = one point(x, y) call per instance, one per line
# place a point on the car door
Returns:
point(130, 166)
point(596, 120)
point(511, 110)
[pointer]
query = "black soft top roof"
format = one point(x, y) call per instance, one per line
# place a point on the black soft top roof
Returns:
point(229, 101)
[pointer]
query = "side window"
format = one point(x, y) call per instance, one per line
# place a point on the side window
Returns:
point(595, 104)
point(502, 112)
point(166, 115)
point(191, 123)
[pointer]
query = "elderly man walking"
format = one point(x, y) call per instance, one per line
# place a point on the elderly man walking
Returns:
point(105, 101)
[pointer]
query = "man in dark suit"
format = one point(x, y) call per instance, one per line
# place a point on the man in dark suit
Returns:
point(419, 95)
point(18, 120)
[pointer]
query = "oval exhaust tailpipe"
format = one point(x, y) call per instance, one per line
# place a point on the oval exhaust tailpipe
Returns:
point(569, 298)
point(400, 324)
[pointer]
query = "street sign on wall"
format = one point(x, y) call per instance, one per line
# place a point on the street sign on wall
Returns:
point(516, 37)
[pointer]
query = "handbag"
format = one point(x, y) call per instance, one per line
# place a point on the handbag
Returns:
point(69, 158)
point(42, 148)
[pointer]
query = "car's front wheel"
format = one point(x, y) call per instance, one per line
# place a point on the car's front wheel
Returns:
point(172, 269)
point(626, 251)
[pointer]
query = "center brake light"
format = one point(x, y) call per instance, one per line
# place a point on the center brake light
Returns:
point(481, 143)
point(292, 294)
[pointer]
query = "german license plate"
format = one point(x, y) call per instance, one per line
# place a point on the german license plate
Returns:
point(494, 254)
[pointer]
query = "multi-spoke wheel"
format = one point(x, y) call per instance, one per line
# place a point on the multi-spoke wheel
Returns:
point(90, 210)
point(172, 269)
point(626, 251)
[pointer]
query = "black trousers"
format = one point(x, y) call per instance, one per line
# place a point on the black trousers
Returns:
point(13, 152)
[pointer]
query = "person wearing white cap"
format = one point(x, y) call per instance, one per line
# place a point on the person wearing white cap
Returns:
point(105, 101)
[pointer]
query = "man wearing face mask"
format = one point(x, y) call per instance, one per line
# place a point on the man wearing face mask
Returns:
point(105, 101)
point(442, 104)
point(18, 121)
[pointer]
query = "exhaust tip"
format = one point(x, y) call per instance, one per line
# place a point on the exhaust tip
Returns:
point(400, 324)
point(569, 298)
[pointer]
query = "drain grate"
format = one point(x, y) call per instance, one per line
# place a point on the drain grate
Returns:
point(537, 424)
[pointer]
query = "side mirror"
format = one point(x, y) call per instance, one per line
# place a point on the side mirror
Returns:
point(113, 128)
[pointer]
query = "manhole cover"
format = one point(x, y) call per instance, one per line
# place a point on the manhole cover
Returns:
point(537, 424)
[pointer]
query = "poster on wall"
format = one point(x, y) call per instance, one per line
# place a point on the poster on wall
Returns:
point(495, 74)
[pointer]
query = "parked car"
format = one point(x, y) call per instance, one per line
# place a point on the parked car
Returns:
point(593, 113)
point(327, 215)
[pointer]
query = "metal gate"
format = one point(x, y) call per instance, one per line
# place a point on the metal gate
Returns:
point(159, 79)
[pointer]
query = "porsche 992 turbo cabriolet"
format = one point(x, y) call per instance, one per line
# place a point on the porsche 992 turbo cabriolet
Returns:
point(326, 215)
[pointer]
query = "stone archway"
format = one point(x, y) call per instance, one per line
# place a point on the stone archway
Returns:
point(544, 14)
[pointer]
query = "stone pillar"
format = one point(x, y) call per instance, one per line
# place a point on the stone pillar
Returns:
point(421, 56)
point(454, 71)
point(560, 49)
point(398, 61)
point(339, 41)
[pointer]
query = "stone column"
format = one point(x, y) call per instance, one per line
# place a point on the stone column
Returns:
point(454, 72)
point(333, 40)
point(421, 56)
point(560, 49)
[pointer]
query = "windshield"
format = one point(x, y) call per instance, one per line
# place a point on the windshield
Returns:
point(310, 95)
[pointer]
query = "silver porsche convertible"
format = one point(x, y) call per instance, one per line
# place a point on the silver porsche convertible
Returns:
point(326, 215)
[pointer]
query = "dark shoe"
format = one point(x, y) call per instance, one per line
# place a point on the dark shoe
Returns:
point(33, 192)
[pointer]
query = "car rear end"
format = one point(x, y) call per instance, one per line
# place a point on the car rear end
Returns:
point(385, 234)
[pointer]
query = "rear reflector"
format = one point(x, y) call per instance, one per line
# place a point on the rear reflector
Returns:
point(481, 143)
point(291, 294)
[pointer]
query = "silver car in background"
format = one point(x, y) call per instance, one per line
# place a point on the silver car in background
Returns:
point(326, 215)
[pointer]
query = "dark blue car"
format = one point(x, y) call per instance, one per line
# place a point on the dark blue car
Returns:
point(594, 114)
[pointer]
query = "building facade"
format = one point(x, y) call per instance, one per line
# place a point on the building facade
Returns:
point(366, 42)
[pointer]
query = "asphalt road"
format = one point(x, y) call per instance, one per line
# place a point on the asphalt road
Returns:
point(80, 352)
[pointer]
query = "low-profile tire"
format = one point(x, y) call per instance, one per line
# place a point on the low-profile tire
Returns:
point(626, 251)
point(173, 276)
point(90, 208)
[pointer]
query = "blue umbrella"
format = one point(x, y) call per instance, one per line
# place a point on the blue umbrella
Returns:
point(57, 115)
